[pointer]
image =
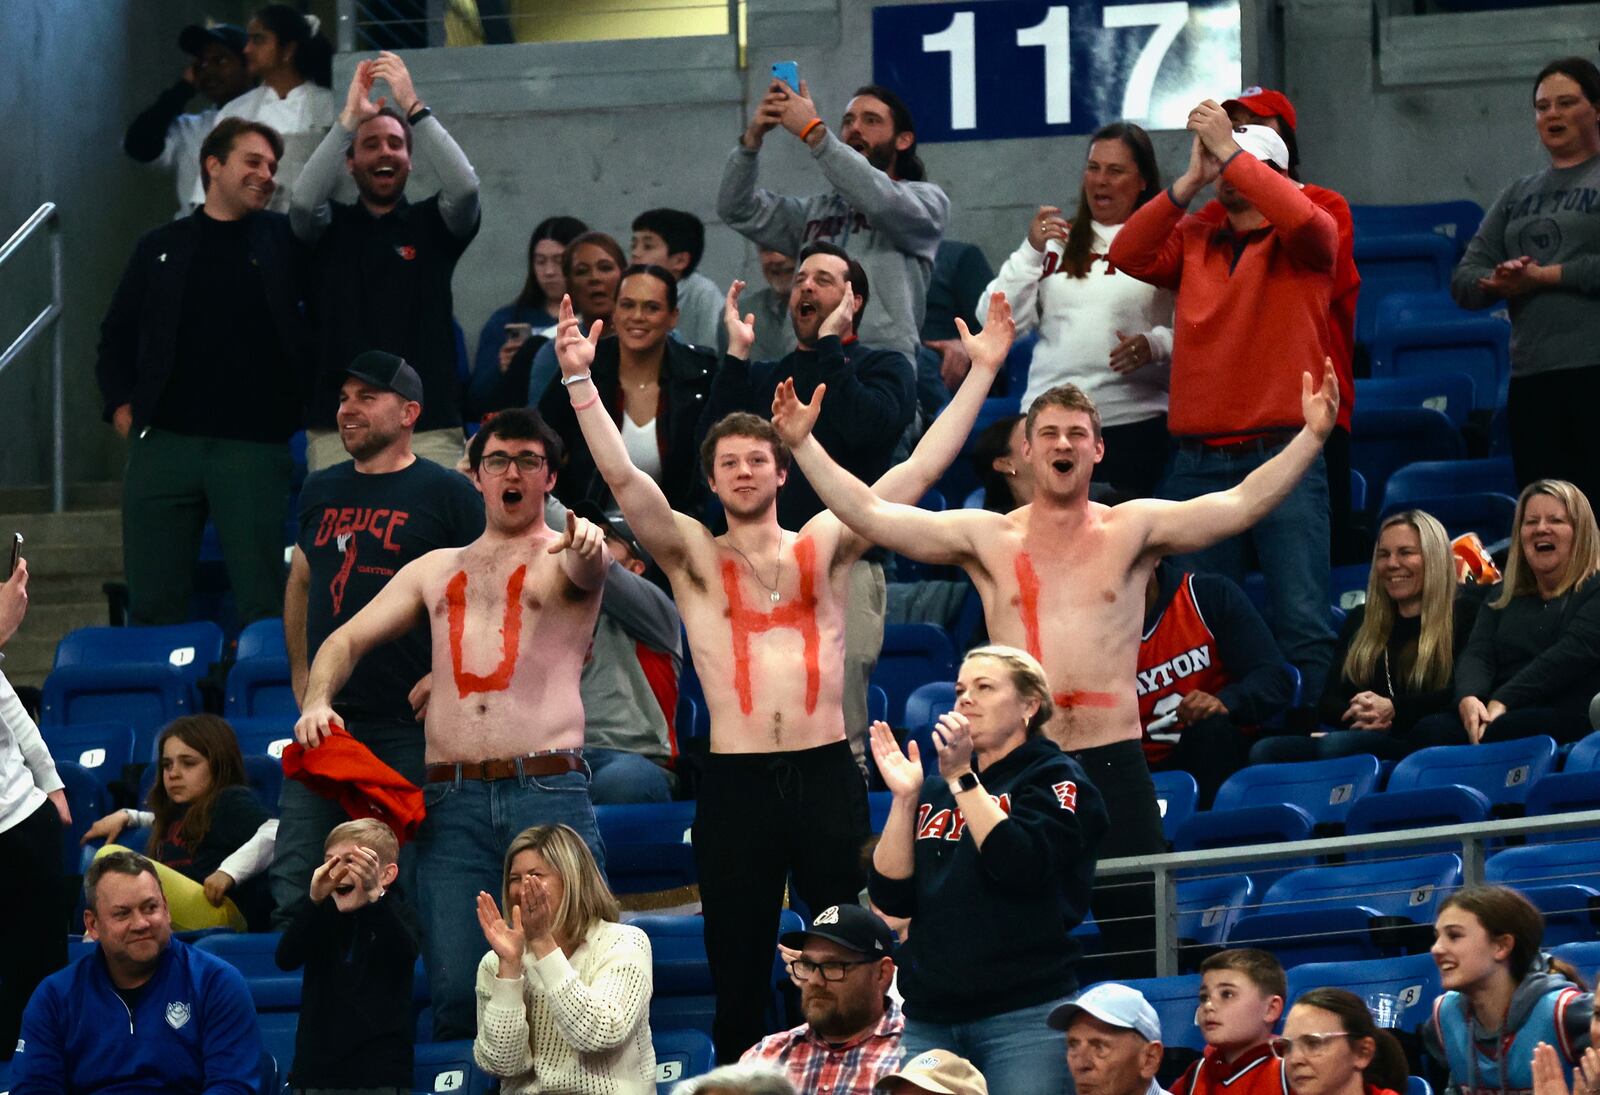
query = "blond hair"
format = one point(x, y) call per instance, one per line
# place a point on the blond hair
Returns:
point(1581, 565)
point(1027, 677)
point(367, 832)
point(1069, 397)
point(1436, 653)
point(585, 897)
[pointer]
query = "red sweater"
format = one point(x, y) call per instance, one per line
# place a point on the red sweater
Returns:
point(1346, 289)
point(1252, 310)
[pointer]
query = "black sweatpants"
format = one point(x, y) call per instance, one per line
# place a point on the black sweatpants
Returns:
point(33, 921)
point(1125, 906)
point(759, 817)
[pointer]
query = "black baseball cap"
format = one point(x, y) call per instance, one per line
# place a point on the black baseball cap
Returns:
point(193, 38)
point(852, 926)
point(387, 371)
point(616, 527)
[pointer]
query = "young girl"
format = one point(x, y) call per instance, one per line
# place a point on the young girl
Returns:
point(1503, 996)
point(201, 812)
point(1330, 1046)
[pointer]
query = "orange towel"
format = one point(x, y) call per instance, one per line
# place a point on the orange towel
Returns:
point(344, 770)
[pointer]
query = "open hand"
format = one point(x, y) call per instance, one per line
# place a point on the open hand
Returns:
point(538, 915)
point(327, 877)
point(366, 869)
point(1519, 276)
point(574, 349)
point(1321, 404)
point(217, 885)
point(1548, 1076)
point(1131, 352)
point(988, 348)
point(389, 68)
point(793, 419)
point(358, 104)
point(796, 110)
point(838, 322)
point(901, 772)
point(741, 332)
point(952, 739)
point(506, 939)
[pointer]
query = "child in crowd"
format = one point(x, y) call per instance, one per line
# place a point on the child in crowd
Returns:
point(677, 240)
point(1241, 997)
point(359, 950)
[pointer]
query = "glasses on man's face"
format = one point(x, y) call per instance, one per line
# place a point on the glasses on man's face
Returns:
point(496, 463)
point(1309, 1044)
point(803, 968)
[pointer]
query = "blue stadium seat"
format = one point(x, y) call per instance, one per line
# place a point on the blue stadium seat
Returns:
point(1178, 796)
point(1449, 393)
point(1383, 439)
point(1563, 793)
point(1455, 220)
point(265, 736)
point(145, 697)
point(1325, 789)
point(260, 687)
point(1175, 1000)
point(1411, 263)
point(878, 803)
point(266, 1075)
point(88, 801)
point(1413, 980)
point(1503, 770)
point(694, 718)
point(447, 1067)
point(1488, 514)
point(191, 648)
point(265, 775)
point(1472, 344)
point(647, 846)
point(1393, 811)
point(1358, 492)
point(1500, 433)
point(104, 748)
point(683, 996)
point(252, 954)
point(908, 569)
point(1561, 879)
point(928, 701)
point(877, 704)
point(262, 639)
point(1585, 756)
point(278, 1030)
point(1439, 478)
point(974, 499)
point(912, 655)
point(1326, 914)
point(1347, 584)
point(1271, 823)
point(960, 478)
point(1208, 907)
point(1585, 957)
point(680, 1055)
point(1019, 363)
point(1416, 1085)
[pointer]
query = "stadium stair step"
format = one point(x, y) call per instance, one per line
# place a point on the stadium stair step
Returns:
point(70, 556)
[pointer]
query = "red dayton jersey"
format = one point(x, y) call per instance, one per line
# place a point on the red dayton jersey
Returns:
point(1177, 656)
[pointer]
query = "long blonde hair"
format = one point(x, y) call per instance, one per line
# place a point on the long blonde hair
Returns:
point(1436, 644)
point(1027, 677)
point(1584, 562)
point(585, 898)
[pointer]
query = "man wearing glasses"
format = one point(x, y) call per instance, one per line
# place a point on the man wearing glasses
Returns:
point(851, 1036)
point(511, 616)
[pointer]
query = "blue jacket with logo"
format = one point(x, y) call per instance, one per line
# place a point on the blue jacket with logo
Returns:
point(191, 1028)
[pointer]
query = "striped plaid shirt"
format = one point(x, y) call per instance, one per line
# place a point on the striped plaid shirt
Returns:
point(819, 1067)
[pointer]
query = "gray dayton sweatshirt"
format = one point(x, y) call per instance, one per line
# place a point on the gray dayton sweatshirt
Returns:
point(1553, 217)
point(891, 227)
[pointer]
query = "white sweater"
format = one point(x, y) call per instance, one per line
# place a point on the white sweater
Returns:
point(578, 1026)
point(27, 773)
point(1078, 320)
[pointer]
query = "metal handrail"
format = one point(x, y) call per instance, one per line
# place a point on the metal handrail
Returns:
point(46, 217)
point(1166, 866)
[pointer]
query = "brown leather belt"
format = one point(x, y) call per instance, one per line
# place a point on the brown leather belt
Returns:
point(1268, 440)
point(535, 764)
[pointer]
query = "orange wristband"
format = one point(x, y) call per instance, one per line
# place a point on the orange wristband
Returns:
point(812, 124)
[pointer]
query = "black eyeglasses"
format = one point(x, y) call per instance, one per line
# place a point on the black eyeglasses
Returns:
point(803, 968)
point(496, 463)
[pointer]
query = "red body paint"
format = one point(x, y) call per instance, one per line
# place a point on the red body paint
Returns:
point(1084, 699)
point(1028, 603)
point(799, 615)
point(455, 595)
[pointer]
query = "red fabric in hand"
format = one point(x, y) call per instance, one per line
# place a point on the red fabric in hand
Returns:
point(344, 770)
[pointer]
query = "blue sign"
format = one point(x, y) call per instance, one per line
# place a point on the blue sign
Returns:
point(979, 71)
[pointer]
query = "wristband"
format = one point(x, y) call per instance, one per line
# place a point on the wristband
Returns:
point(587, 403)
point(812, 124)
point(423, 112)
point(569, 381)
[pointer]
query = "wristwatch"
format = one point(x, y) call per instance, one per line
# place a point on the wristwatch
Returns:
point(966, 781)
point(417, 115)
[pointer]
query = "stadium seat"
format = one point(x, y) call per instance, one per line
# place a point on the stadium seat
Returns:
point(912, 655)
point(910, 570)
point(262, 639)
point(974, 499)
point(1177, 796)
point(1358, 492)
point(104, 748)
point(1488, 514)
point(1413, 980)
point(1500, 433)
point(1561, 879)
point(1325, 789)
point(1563, 793)
point(1394, 811)
point(265, 736)
point(1416, 1085)
point(960, 478)
point(1175, 1000)
point(1440, 478)
point(278, 1029)
point(1476, 345)
point(1352, 912)
point(928, 701)
point(145, 697)
point(1503, 770)
point(878, 803)
point(252, 954)
point(1019, 363)
point(1411, 263)
point(1208, 908)
point(447, 1067)
point(1272, 823)
point(877, 704)
point(191, 648)
point(647, 846)
point(1585, 756)
point(1584, 956)
point(266, 1073)
point(1383, 439)
point(683, 996)
point(1455, 220)
point(1347, 584)
point(265, 775)
point(681, 1054)
point(1449, 393)
point(88, 801)
point(260, 687)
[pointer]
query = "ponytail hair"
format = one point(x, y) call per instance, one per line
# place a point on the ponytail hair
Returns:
point(1388, 1067)
point(313, 53)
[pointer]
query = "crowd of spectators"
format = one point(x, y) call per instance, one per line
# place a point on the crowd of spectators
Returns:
point(494, 632)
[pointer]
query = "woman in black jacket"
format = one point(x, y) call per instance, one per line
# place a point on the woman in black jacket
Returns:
point(655, 388)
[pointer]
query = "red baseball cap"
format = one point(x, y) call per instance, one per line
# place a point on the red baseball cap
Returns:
point(1265, 103)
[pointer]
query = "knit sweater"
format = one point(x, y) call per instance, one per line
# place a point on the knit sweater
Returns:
point(578, 1025)
point(1078, 320)
point(27, 773)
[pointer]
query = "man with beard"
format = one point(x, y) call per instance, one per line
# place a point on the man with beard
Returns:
point(851, 1036)
point(382, 266)
point(360, 522)
point(202, 369)
point(510, 616)
point(764, 610)
point(163, 134)
point(880, 206)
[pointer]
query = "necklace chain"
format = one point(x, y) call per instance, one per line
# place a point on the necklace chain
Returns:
point(777, 571)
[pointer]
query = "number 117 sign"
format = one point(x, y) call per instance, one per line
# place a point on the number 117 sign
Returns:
point(980, 71)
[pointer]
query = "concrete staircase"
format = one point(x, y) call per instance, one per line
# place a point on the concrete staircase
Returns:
point(70, 555)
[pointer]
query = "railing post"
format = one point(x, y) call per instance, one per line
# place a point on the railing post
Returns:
point(345, 32)
point(1471, 860)
point(58, 392)
point(1166, 922)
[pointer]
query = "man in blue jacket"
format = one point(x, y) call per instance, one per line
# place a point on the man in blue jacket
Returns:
point(144, 1012)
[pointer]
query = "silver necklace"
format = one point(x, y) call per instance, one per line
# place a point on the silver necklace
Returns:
point(777, 571)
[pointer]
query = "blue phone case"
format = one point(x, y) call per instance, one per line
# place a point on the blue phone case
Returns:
point(789, 73)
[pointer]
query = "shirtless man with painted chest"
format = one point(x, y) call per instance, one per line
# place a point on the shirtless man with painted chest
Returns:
point(1064, 579)
point(764, 610)
point(511, 616)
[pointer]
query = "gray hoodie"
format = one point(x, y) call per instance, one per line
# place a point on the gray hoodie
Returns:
point(1513, 1063)
point(891, 227)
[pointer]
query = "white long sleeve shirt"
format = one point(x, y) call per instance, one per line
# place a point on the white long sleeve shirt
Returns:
point(27, 773)
point(300, 117)
point(1078, 320)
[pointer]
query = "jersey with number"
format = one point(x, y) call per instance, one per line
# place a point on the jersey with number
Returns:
point(1176, 656)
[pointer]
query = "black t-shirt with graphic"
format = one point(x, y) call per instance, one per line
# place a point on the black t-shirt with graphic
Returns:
point(357, 530)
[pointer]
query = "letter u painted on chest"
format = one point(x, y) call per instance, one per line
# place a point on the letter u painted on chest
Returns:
point(798, 615)
point(455, 595)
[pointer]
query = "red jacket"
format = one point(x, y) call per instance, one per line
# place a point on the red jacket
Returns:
point(344, 770)
point(1252, 311)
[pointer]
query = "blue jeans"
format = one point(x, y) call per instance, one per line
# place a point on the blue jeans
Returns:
point(621, 777)
point(1016, 1052)
point(461, 850)
point(1291, 546)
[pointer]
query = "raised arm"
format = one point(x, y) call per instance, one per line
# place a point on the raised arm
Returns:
point(1175, 528)
point(311, 200)
point(773, 221)
point(584, 557)
point(458, 182)
point(649, 514)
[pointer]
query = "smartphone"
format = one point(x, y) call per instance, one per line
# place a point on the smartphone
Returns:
point(519, 332)
point(789, 73)
point(16, 554)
